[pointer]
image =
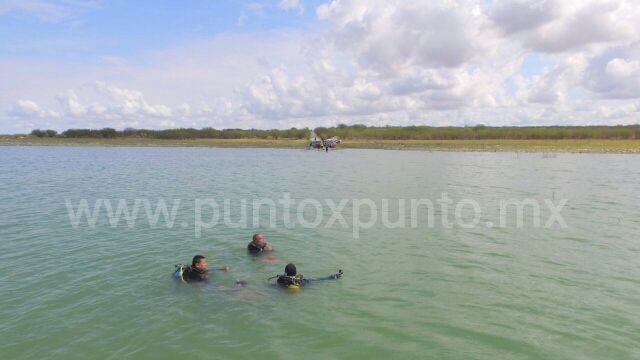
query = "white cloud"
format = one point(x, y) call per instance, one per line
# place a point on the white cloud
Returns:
point(130, 103)
point(26, 108)
point(253, 8)
point(291, 4)
point(562, 25)
point(242, 19)
point(614, 74)
point(97, 110)
point(277, 96)
point(184, 110)
point(518, 16)
point(70, 104)
point(393, 36)
point(49, 11)
point(552, 85)
point(112, 60)
point(617, 112)
point(623, 68)
point(441, 62)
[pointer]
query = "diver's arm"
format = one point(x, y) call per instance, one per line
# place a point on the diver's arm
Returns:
point(330, 277)
point(224, 268)
point(321, 278)
point(256, 249)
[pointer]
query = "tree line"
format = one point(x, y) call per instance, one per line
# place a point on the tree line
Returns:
point(177, 134)
point(44, 133)
point(478, 132)
point(363, 132)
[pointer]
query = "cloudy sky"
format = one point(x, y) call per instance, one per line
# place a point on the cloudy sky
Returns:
point(283, 63)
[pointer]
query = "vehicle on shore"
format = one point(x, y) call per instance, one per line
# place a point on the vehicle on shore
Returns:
point(329, 143)
point(315, 144)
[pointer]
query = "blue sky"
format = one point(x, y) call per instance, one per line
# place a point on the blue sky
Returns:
point(283, 63)
point(134, 28)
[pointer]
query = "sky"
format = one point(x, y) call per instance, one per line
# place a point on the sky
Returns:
point(308, 63)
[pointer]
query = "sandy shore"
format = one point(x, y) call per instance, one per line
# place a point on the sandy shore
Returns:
point(538, 146)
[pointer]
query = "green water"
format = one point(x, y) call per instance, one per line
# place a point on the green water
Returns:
point(410, 292)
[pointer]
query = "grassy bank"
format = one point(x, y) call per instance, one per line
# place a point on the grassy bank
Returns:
point(240, 143)
point(565, 145)
point(480, 132)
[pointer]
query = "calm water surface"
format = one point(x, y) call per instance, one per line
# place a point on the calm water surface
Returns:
point(407, 292)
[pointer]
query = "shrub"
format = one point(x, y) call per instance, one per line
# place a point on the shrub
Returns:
point(39, 133)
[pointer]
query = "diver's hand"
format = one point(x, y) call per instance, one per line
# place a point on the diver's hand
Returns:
point(268, 248)
point(224, 268)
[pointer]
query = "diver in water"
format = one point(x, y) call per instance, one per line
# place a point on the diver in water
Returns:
point(257, 245)
point(197, 271)
point(292, 280)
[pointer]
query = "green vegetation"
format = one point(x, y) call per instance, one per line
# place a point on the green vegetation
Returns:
point(364, 133)
point(612, 139)
point(545, 145)
point(145, 142)
point(565, 145)
point(186, 134)
point(13, 136)
point(479, 132)
point(44, 133)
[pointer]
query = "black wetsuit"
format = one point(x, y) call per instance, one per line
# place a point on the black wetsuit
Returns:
point(192, 274)
point(300, 280)
point(285, 280)
point(256, 248)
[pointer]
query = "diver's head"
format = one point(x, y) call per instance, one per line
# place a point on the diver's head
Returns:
point(199, 262)
point(258, 238)
point(290, 270)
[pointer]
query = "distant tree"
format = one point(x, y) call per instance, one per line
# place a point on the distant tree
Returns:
point(129, 132)
point(51, 133)
point(108, 133)
point(358, 131)
point(39, 133)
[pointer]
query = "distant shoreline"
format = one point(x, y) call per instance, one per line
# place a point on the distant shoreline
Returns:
point(626, 146)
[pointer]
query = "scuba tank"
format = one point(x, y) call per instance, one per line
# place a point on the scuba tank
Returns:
point(296, 281)
point(178, 273)
point(290, 282)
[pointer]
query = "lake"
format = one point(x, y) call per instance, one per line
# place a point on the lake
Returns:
point(436, 264)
